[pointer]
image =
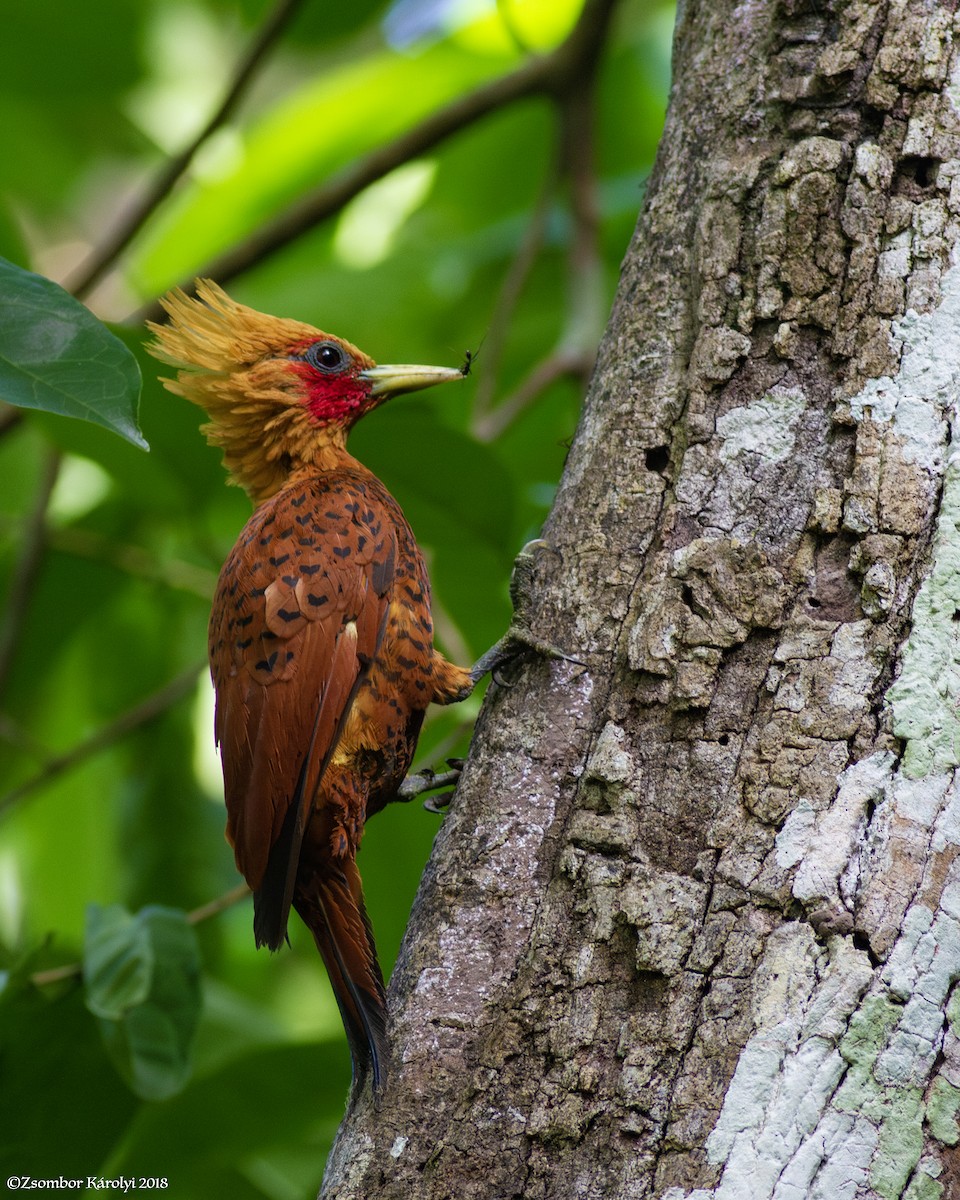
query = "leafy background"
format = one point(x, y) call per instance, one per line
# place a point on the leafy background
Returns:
point(109, 789)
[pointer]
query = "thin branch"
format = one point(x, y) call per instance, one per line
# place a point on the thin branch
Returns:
point(134, 560)
point(587, 312)
point(147, 710)
point(56, 974)
point(28, 565)
point(510, 292)
point(562, 363)
point(219, 905)
point(549, 75)
point(576, 351)
point(129, 225)
point(203, 913)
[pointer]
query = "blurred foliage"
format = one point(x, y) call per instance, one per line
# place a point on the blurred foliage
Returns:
point(108, 556)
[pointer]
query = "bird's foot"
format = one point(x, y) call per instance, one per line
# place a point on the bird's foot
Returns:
point(514, 645)
point(519, 640)
point(428, 780)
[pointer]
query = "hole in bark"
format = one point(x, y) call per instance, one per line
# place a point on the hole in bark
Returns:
point(657, 458)
point(813, 602)
point(956, 614)
point(862, 942)
point(724, 739)
point(918, 170)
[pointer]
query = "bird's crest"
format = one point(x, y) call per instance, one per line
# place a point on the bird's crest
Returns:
point(212, 332)
point(238, 364)
point(281, 395)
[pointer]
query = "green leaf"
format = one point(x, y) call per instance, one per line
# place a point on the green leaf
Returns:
point(118, 961)
point(56, 356)
point(142, 975)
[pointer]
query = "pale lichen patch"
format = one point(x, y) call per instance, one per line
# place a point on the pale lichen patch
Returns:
point(923, 698)
point(771, 1131)
point(837, 832)
point(767, 427)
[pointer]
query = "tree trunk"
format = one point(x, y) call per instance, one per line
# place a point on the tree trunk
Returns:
point(692, 926)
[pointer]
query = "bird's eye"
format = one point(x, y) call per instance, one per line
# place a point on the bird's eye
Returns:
point(327, 357)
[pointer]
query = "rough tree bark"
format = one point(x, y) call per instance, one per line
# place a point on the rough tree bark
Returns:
point(692, 926)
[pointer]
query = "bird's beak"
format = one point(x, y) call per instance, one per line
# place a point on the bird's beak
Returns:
point(393, 380)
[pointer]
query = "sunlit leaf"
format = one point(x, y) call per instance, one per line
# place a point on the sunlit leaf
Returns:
point(56, 356)
point(319, 128)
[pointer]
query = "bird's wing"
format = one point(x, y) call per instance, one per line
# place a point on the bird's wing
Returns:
point(298, 615)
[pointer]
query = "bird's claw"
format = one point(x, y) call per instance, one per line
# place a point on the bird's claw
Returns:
point(426, 780)
point(438, 804)
point(516, 643)
point(519, 640)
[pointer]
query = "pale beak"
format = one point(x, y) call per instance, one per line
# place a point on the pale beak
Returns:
point(393, 380)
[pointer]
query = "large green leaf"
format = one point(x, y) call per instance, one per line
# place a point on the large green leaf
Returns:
point(56, 356)
point(142, 975)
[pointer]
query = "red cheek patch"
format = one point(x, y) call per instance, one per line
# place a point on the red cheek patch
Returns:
point(332, 399)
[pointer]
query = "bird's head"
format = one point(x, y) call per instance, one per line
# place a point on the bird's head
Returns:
point(281, 395)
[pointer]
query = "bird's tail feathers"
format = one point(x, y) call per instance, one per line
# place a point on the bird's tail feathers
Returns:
point(332, 907)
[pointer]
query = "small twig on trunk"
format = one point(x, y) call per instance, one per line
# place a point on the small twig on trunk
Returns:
point(129, 225)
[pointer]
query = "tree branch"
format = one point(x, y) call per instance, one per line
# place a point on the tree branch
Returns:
point(139, 715)
point(105, 255)
point(214, 907)
point(576, 351)
point(558, 365)
point(136, 561)
point(578, 162)
point(549, 75)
